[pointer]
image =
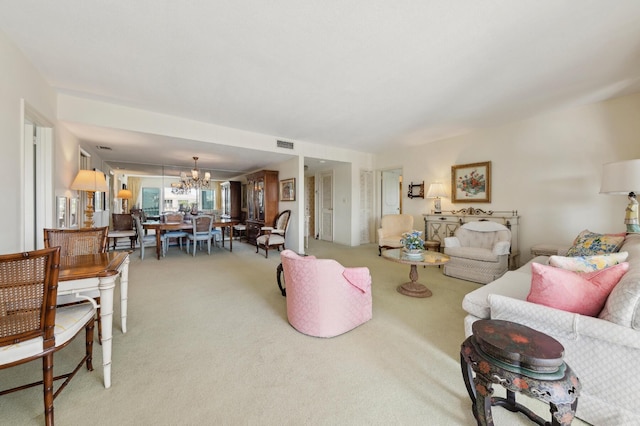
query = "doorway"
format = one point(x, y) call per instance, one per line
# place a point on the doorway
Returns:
point(326, 206)
point(38, 178)
point(391, 191)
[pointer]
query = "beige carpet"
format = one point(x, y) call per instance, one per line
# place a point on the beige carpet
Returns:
point(209, 344)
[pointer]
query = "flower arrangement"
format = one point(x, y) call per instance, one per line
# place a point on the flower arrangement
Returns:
point(412, 240)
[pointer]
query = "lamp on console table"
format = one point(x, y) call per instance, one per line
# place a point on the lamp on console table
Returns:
point(623, 177)
point(89, 181)
point(125, 195)
point(436, 190)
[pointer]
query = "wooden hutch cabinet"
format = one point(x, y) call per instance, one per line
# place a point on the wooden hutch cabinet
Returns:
point(231, 199)
point(262, 202)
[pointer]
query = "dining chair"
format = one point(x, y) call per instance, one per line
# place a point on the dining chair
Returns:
point(122, 227)
point(75, 242)
point(178, 234)
point(32, 327)
point(143, 239)
point(201, 232)
point(274, 237)
point(216, 233)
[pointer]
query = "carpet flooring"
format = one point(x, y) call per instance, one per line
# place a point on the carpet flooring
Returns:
point(208, 343)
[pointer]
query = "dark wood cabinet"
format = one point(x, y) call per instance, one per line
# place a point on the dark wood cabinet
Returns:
point(231, 199)
point(262, 202)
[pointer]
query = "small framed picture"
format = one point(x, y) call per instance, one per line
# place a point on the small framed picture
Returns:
point(471, 183)
point(61, 212)
point(288, 189)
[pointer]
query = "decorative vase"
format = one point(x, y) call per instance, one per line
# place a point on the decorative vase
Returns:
point(413, 253)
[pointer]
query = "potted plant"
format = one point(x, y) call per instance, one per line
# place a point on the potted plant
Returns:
point(412, 243)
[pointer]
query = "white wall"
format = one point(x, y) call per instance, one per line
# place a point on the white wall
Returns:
point(548, 168)
point(18, 80)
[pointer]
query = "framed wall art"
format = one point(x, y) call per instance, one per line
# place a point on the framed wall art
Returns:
point(61, 212)
point(471, 183)
point(288, 189)
point(73, 212)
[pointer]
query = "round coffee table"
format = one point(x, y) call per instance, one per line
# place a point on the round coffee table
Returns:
point(427, 258)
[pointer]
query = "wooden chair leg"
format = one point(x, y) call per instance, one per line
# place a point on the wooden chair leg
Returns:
point(89, 344)
point(47, 384)
point(99, 321)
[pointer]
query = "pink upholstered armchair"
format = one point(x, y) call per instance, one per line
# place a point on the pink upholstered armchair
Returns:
point(325, 299)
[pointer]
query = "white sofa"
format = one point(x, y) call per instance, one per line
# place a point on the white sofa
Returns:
point(604, 351)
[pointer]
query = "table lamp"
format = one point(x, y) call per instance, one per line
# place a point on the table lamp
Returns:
point(125, 195)
point(623, 177)
point(89, 181)
point(436, 190)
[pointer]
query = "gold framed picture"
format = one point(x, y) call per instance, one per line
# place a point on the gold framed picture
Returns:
point(288, 189)
point(471, 183)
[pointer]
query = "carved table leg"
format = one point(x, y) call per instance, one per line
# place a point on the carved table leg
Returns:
point(414, 288)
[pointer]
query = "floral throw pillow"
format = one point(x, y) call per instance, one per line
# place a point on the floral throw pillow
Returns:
point(588, 263)
point(589, 243)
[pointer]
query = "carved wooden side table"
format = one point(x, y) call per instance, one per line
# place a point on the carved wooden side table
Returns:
point(520, 359)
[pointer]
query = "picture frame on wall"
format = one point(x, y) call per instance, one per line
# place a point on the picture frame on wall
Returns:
point(471, 183)
point(61, 212)
point(72, 212)
point(288, 189)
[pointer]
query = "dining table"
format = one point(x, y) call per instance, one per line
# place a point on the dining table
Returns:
point(88, 272)
point(160, 227)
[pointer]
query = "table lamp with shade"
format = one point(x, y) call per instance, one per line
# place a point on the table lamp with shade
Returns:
point(623, 178)
point(125, 195)
point(436, 191)
point(89, 181)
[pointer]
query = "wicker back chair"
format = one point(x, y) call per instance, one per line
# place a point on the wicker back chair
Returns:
point(73, 242)
point(201, 232)
point(178, 235)
point(31, 326)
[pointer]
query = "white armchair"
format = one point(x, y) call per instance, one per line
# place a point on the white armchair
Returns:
point(479, 252)
point(392, 226)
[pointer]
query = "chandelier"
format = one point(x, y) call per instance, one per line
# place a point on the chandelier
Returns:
point(195, 181)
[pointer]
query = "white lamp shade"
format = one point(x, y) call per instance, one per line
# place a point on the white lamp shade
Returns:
point(90, 180)
point(621, 177)
point(436, 190)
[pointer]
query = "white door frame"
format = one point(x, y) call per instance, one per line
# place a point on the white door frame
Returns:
point(325, 212)
point(37, 177)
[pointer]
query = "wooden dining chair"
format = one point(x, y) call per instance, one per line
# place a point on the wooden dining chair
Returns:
point(144, 240)
point(201, 232)
point(274, 237)
point(74, 242)
point(178, 234)
point(123, 227)
point(32, 327)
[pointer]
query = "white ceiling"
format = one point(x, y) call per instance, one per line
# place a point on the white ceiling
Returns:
point(361, 74)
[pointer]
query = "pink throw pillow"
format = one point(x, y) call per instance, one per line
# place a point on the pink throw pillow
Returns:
point(581, 293)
